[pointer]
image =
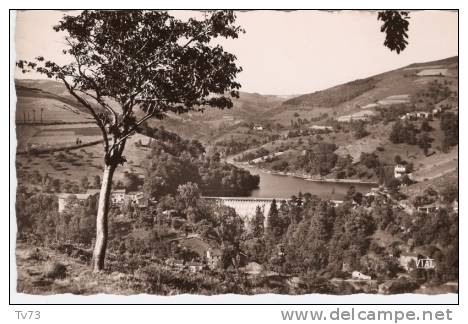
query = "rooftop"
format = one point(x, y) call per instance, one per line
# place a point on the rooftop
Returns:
point(73, 195)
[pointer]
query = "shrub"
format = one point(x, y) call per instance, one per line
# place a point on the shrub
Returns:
point(370, 160)
point(35, 255)
point(55, 270)
point(162, 282)
point(402, 286)
point(341, 175)
point(360, 131)
point(177, 223)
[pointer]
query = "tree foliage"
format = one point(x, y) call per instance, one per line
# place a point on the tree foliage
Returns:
point(449, 125)
point(128, 66)
point(257, 224)
point(320, 159)
point(143, 60)
point(404, 132)
point(174, 161)
point(395, 26)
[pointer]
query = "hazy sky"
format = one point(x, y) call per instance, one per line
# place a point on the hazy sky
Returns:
point(291, 52)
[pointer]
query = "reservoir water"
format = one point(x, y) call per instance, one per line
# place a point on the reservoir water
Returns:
point(284, 186)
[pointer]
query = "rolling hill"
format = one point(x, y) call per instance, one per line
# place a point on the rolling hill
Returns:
point(61, 107)
point(47, 102)
point(369, 92)
point(232, 132)
point(340, 100)
point(419, 86)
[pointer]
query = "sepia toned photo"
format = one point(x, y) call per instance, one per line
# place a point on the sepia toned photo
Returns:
point(238, 152)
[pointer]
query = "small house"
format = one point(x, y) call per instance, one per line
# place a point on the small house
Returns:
point(429, 208)
point(437, 111)
point(423, 114)
point(408, 260)
point(213, 258)
point(138, 198)
point(360, 276)
point(118, 196)
point(68, 200)
point(399, 171)
point(175, 264)
point(415, 115)
point(195, 266)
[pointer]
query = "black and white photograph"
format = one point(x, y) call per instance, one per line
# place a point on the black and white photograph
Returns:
point(245, 152)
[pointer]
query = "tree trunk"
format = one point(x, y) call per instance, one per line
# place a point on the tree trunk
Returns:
point(101, 219)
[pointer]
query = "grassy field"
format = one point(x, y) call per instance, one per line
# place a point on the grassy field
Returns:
point(397, 82)
point(28, 109)
point(436, 165)
point(216, 125)
point(73, 164)
point(284, 115)
point(436, 183)
point(363, 145)
point(53, 136)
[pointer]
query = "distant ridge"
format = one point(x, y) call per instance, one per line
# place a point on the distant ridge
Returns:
point(392, 82)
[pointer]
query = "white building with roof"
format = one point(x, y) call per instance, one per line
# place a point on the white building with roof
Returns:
point(69, 200)
point(117, 197)
point(360, 276)
point(399, 171)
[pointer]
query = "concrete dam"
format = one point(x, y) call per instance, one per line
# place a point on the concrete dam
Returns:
point(246, 206)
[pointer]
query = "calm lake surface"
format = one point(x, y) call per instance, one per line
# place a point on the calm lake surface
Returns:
point(283, 186)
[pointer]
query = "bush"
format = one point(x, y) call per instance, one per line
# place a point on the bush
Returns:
point(341, 175)
point(360, 131)
point(35, 255)
point(157, 280)
point(370, 160)
point(55, 270)
point(402, 286)
point(177, 223)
